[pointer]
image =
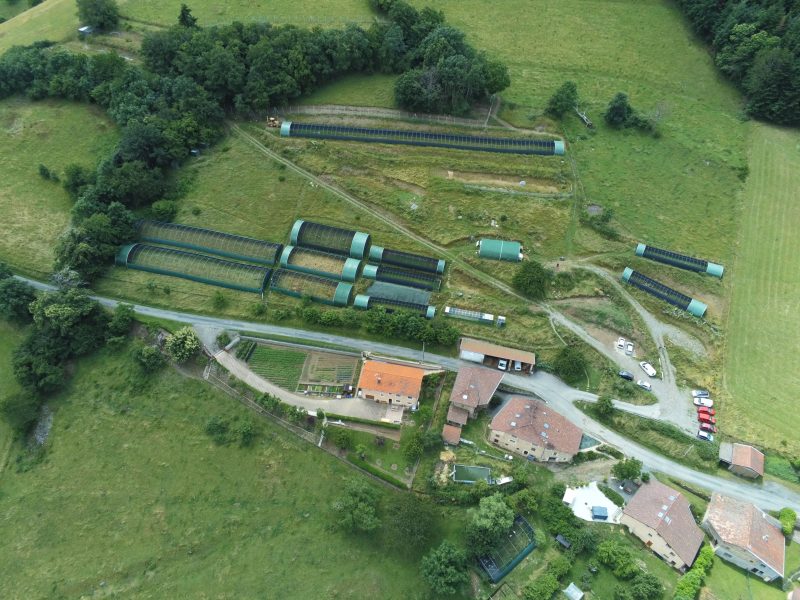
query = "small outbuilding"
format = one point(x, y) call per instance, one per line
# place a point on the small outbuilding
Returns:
point(564, 542)
point(573, 592)
point(742, 459)
point(486, 353)
point(500, 250)
point(451, 435)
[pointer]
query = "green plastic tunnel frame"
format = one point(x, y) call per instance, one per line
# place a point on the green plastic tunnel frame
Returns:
point(328, 238)
point(324, 264)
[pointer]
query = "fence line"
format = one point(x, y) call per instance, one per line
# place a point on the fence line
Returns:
point(214, 380)
point(371, 111)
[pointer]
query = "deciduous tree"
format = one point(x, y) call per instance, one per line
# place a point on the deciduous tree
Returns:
point(445, 569)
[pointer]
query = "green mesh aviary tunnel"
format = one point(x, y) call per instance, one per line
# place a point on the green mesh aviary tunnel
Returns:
point(365, 302)
point(330, 239)
point(407, 277)
point(318, 289)
point(195, 267)
point(325, 264)
point(682, 261)
point(406, 260)
point(661, 291)
point(519, 145)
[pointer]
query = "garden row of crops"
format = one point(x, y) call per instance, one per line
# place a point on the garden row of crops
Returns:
point(278, 365)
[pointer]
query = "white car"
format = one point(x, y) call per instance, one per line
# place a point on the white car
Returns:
point(704, 435)
point(707, 402)
point(629, 348)
point(621, 344)
point(648, 368)
point(502, 364)
point(700, 394)
point(645, 385)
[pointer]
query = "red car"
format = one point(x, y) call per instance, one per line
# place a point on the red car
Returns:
point(704, 410)
point(708, 427)
point(706, 419)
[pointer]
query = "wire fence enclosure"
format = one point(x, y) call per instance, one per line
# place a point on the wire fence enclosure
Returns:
point(195, 267)
point(406, 260)
point(316, 262)
point(405, 277)
point(207, 240)
point(423, 138)
point(509, 551)
point(374, 112)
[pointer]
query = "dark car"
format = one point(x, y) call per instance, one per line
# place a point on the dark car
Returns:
point(626, 375)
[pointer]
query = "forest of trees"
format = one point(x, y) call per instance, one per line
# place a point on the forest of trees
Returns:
point(193, 76)
point(756, 44)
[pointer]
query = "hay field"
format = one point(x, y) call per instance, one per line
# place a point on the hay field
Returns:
point(762, 365)
point(34, 212)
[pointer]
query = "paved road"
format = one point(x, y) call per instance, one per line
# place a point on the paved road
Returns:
point(551, 389)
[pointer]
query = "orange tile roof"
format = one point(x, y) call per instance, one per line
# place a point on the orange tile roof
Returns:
point(391, 378)
point(745, 525)
point(451, 434)
point(748, 457)
point(537, 423)
point(667, 511)
point(475, 386)
point(457, 415)
point(489, 349)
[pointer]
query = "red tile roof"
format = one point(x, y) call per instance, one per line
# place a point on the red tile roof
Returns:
point(744, 525)
point(748, 457)
point(667, 512)
point(451, 434)
point(489, 349)
point(537, 423)
point(391, 379)
point(475, 386)
point(457, 415)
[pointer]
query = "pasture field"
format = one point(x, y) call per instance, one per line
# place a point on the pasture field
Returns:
point(55, 20)
point(279, 365)
point(34, 212)
point(11, 335)
point(762, 366)
point(9, 10)
point(132, 493)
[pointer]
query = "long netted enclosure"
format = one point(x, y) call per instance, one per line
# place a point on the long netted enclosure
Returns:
point(195, 267)
point(682, 261)
point(665, 293)
point(401, 293)
point(509, 551)
point(521, 145)
point(330, 239)
point(387, 256)
point(208, 240)
point(315, 262)
point(417, 279)
point(318, 289)
point(366, 302)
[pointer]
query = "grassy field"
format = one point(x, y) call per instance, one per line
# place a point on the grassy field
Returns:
point(11, 9)
point(764, 317)
point(134, 499)
point(279, 365)
point(34, 212)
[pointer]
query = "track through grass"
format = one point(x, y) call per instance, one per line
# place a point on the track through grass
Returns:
point(762, 365)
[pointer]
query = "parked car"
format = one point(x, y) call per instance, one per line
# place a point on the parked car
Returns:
point(502, 364)
point(708, 427)
point(704, 435)
point(648, 368)
point(645, 385)
point(626, 375)
point(700, 394)
point(517, 365)
point(629, 349)
point(703, 418)
point(706, 411)
point(621, 344)
point(707, 402)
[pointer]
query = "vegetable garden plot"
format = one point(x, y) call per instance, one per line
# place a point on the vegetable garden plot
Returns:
point(329, 369)
point(208, 240)
point(196, 267)
point(279, 365)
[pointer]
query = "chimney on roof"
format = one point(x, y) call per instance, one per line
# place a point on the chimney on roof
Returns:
point(513, 423)
point(465, 396)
